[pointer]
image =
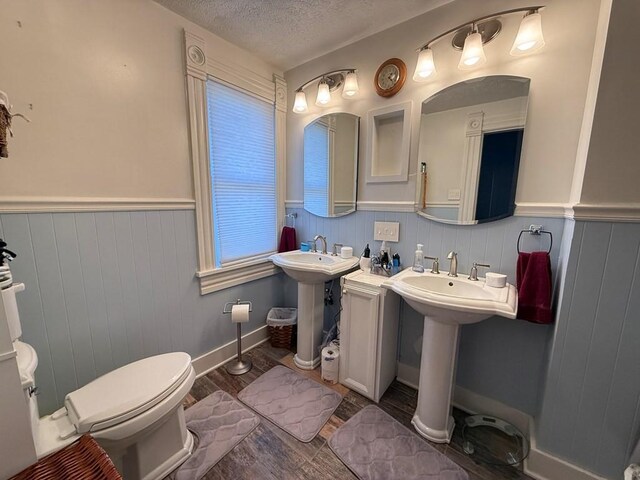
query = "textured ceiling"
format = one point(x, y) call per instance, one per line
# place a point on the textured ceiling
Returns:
point(287, 33)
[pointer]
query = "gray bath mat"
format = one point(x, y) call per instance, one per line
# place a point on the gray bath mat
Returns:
point(297, 404)
point(220, 423)
point(375, 446)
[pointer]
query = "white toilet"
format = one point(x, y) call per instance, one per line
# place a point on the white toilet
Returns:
point(135, 412)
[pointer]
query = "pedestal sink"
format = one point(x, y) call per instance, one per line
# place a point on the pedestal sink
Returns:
point(446, 303)
point(311, 270)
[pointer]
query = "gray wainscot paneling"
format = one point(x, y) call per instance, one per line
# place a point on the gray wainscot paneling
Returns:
point(499, 358)
point(590, 411)
point(105, 289)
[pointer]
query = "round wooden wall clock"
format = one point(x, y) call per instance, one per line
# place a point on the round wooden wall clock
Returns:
point(390, 77)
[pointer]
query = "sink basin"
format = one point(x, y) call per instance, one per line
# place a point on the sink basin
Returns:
point(312, 268)
point(453, 299)
point(446, 303)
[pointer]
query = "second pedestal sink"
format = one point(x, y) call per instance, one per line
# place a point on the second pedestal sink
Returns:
point(311, 270)
point(446, 303)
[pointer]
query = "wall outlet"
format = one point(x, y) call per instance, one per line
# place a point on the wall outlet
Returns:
point(388, 231)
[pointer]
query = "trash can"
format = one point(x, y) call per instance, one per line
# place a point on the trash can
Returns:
point(281, 322)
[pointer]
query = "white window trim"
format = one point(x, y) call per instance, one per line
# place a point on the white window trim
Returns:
point(198, 69)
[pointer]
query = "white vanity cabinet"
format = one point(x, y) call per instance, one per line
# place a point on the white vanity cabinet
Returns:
point(368, 334)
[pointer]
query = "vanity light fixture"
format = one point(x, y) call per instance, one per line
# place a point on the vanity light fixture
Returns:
point(470, 37)
point(425, 67)
point(350, 85)
point(346, 78)
point(529, 37)
point(473, 51)
point(324, 95)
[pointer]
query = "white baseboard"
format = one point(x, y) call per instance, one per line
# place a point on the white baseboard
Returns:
point(409, 375)
point(544, 466)
point(474, 403)
point(539, 464)
point(221, 355)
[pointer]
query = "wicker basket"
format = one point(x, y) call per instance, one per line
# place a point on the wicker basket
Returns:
point(82, 460)
point(281, 337)
point(281, 325)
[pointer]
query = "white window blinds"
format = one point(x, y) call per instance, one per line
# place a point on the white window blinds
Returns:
point(243, 173)
point(316, 169)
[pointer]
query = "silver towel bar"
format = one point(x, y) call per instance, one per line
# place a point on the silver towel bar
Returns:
point(535, 230)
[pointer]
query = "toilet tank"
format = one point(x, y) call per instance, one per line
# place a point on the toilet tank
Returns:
point(11, 309)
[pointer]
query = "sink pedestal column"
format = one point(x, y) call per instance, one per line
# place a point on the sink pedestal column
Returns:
point(310, 320)
point(433, 418)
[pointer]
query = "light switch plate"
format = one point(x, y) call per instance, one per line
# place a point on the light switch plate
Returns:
point(388, 231)
point(453, 194)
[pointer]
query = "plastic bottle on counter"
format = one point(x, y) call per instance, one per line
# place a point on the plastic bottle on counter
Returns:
point(418, 260)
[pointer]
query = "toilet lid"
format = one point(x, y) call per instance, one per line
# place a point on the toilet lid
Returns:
point(127, 391)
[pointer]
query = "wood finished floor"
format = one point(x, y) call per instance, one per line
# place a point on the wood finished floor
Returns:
point(271, 453)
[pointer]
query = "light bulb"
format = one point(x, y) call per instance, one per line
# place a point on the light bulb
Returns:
point(300, 103)
point(425, 66)
point(529, 37)
point(324, 96)
point(472, 53)
point(350, 85)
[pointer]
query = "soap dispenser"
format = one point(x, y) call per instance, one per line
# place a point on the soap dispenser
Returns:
point(418, 260)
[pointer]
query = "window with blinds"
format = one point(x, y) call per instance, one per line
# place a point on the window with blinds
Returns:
point(243, 173)
point(316, 169)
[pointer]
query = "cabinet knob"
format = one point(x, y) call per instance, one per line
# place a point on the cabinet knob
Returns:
point(344, 290)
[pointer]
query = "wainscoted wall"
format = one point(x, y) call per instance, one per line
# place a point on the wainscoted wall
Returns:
point(108, 288)
point(499, 358)
point(591, 406)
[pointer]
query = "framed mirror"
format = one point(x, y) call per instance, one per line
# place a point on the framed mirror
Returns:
point(331, 164)
point(469, 150)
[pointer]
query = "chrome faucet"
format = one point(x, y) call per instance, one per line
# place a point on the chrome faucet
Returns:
point(435, 267)
point(335, 249)
point(453, 267)
point(324, 243)
point(473, 275)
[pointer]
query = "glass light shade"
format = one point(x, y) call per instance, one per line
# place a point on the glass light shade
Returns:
point(425, 66)
point(300, 103)
point(529, 38)
point(472, 53)
point(350, 85)
point(323, 94)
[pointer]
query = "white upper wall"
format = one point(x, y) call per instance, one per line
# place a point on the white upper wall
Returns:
point(613, 167)
point(559, 76)
point(107, 84)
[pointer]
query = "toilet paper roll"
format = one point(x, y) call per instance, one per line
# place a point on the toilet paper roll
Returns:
point(240, 313)
point(330, 364)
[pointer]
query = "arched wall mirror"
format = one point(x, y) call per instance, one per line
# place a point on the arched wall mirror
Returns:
point(331, 164)
point(469, 149)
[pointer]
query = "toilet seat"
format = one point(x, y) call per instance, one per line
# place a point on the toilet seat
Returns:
point(127, 392)
point(27, 363)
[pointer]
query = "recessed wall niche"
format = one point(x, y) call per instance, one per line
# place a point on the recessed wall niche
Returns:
point(388, 141)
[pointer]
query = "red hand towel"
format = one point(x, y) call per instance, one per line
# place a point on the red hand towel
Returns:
point(288, 240)
point(534, 287)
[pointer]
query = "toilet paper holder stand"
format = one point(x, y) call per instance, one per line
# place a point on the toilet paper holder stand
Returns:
point(239, 365)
